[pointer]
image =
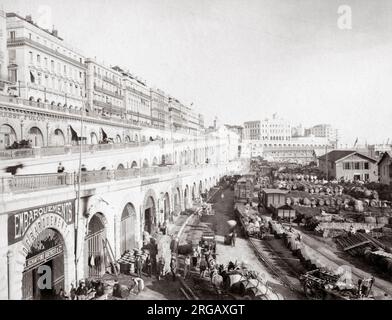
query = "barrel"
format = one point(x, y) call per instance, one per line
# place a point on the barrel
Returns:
point(316, 189)
point(321, 201)
point(327, 202)
point(306, 201)
point(339, 201)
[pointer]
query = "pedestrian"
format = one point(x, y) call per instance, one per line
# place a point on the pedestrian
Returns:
point(173, 267)
point(161, 267)
point(187, 266)
point(233, 236)
point(138, 285)
point(81, 291)
point(195, 258)
point(203, 267)
point(60, 168)
point(139, 266)
point(148, 265)
point(72, 292)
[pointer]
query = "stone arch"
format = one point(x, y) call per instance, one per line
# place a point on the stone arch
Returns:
point(20, 251)
point(120, 167)
point(58, 138)
point(145, 163)
point(149, 212)
point(166, 206)
point(128, 228)
point(177, 200)
point(36, 136)
point(7, 135)
point(136, 138)
point(155, 161)
point(194, 191)
point(200, 187)
point(96, 234)
point(134, 164)
point(186, 197)
point(94, 138)
point(118, 138)
point(127, 139)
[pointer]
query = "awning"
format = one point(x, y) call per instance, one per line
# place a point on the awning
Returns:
point(76, 135)
point(104, 135)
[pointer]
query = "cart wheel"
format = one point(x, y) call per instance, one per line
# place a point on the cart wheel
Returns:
point(312, 292)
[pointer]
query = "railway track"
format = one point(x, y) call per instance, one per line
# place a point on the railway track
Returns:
point(261, 249)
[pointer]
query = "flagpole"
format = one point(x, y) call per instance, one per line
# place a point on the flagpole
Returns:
point(78, 194)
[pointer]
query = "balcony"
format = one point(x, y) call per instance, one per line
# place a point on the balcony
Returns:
point(37, 182)
point(110, 93)
point(111, 81)
point(20, 41)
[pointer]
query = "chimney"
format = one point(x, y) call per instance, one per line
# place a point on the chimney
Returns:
point(29, 18)
point(55, 33)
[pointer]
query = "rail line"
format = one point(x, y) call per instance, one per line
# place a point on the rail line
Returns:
point(266, 261)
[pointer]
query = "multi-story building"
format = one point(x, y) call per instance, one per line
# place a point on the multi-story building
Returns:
point(252, 130)
point(237, 129)
point(3, 52)
point(42, 67)
point(124, 191)
point(325, 131)
point(349, 165)
point(385, 168)
point(159, 108)
point(275, 130)
point(104, 89)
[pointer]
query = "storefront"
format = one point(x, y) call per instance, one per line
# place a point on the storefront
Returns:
point(39, 235)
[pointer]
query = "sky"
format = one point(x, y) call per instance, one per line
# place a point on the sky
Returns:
point(243, 60)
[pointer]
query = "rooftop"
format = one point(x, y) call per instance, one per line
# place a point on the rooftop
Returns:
point(336, 155)
point(271, 191)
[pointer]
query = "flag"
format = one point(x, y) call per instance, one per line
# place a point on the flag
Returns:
point(355, 143)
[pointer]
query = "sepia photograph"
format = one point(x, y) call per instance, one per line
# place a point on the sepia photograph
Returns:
point(208, 152)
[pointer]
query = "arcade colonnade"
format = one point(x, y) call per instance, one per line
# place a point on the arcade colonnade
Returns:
point(43, 236)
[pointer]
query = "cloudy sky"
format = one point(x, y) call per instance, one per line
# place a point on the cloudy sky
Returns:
point(245, 59)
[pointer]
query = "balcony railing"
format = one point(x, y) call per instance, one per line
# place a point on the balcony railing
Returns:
point(108, 92)
point(52, 151)
point(37, 182)
point(23, 40)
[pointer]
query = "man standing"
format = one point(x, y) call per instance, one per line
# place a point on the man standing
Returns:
point(187, 266)
point(60, 168)
point(233, 236)
point(173, 267)
point(139, 266)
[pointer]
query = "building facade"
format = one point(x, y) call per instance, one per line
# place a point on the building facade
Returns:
point(42, 67)
point(385, 168)
point(252, 130)
point(349, 165)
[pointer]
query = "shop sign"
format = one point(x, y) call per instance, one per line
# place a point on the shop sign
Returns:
point(43, 257)
point(27, 224)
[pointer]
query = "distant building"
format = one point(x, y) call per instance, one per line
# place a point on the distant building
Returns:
point(237, 129)
point(325, 131)
point(252, 130)
point(348, 165)
point(385, 168)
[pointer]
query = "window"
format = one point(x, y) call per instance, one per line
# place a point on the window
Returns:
point(38, 59)
point(52, 65)
point(13, 75)
point(366, 165)
point(12, 35)
point(46, 62)
point(65, 70)
point(30, 36)
point(356, 165)
point(346, 165)
point(366, 176)
point(31, 57)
